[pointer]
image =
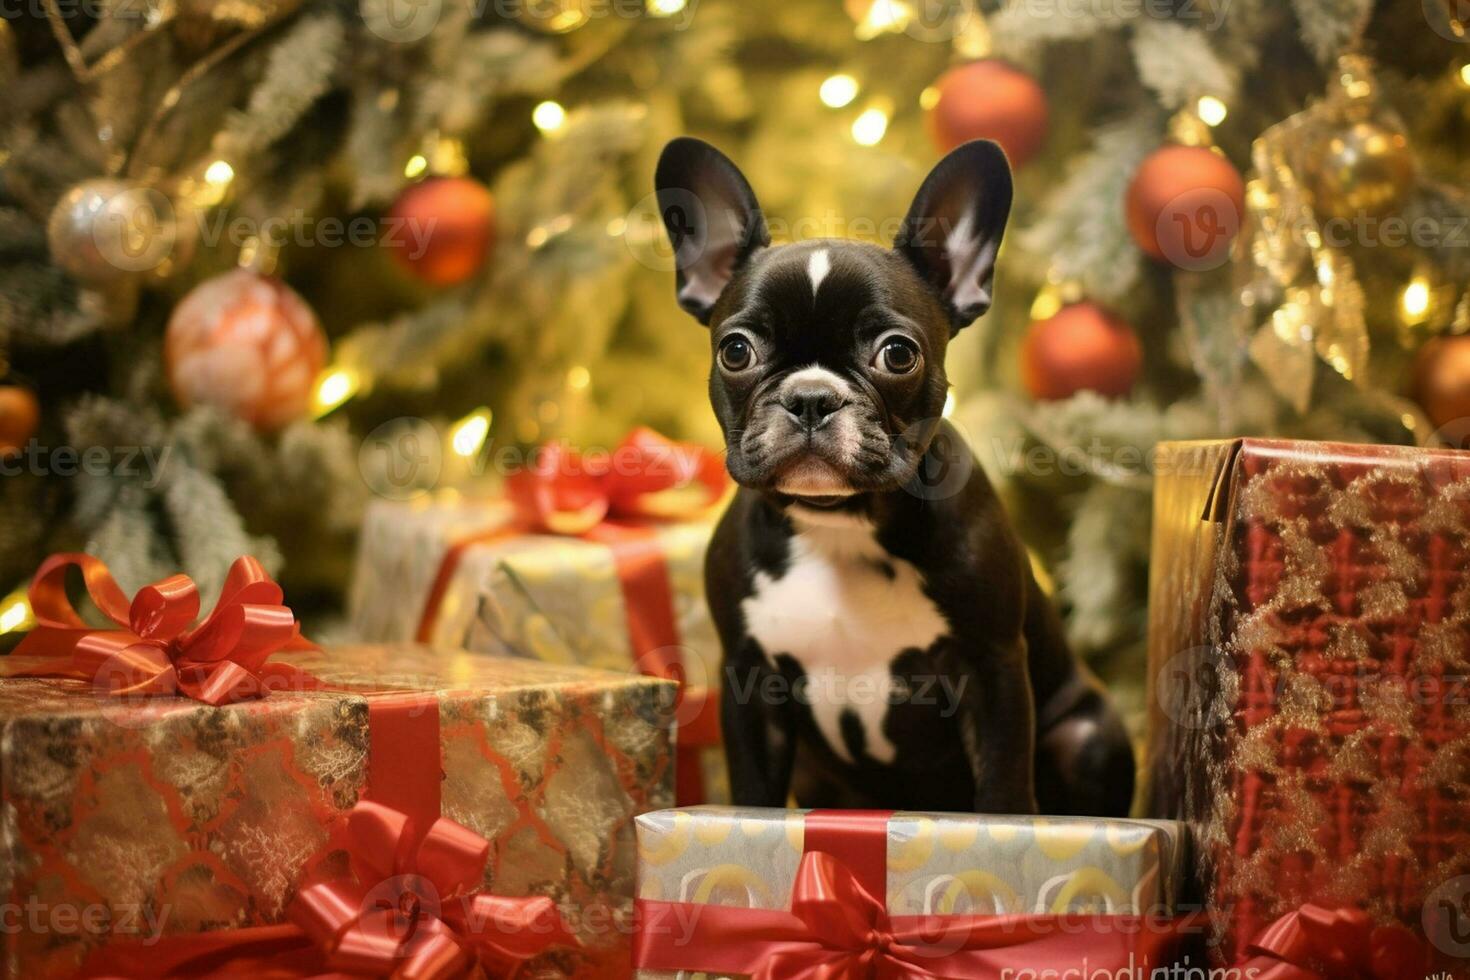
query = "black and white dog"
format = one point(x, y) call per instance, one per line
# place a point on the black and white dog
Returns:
point(885, 642)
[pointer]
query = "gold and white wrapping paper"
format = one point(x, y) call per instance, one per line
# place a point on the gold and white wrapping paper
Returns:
point(556, 598)
point(938, 864)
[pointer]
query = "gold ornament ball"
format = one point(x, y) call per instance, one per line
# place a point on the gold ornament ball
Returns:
point(1442, 381)
point(20, 413)
point(1362, 170)
point(106, 230)
point(1083, 347)
point(990, 99)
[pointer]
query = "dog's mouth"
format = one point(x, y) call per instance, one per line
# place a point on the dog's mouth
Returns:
point(815, 482)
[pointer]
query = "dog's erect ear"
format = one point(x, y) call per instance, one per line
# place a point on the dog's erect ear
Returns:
point(953, 229)
point(712, 218)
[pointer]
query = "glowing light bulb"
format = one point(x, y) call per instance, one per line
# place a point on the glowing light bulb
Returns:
point(1415, 301)
point(469, 432)
point(549, 116)
point(333, 387)
point(15, 613)
point(579, 377)
point(219, 173)
point(838, 90)
point(666, 8)
point(416, 165)
point(868, 128)
point(1211, 110)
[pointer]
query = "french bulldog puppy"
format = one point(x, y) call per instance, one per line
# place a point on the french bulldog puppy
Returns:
point(885, 643)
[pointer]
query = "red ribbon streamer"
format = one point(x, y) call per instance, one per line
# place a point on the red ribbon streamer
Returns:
point(838, 926)
point(156, 651)
point(610, 501)
point(1316, 943)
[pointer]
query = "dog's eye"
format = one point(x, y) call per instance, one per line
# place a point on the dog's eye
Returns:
point(898, 355)
point(736, 353)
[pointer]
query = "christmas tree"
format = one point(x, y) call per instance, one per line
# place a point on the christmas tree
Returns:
point(261, 256)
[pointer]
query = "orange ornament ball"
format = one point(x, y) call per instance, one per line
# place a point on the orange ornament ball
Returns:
point(247, 344)
point(990, 100)
point(1083, 347)
point(442, 230)
point(1442, 384)
point(20, 413)
point(1185, 206)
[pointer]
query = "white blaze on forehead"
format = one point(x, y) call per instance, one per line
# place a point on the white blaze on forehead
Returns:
point(817, 268)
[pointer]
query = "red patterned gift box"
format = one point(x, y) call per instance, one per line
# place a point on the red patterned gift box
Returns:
point(1309, 651)
point(141, 830)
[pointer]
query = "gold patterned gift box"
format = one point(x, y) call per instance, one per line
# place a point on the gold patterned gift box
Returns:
point(149, 821)
point(1065, 873)
point(456, 571)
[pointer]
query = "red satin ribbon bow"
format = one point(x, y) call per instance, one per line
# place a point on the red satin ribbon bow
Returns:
point(565, 492)
point(1315, 943)
point(156, 651)
point(416, 911)
point(842, 932)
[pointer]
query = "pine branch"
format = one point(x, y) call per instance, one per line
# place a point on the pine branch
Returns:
point(1328, 26)
point(377, 144)
point(208, 533)
point(1107, 555)
point(19, 233)
point(488, 65)
point(1178, 63)
point(1081, 225)
point(298, 71)
point(40, 306)
point(128, 538)
point(1018, 31)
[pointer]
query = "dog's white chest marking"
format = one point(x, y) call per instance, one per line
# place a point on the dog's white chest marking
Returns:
point(844, 609)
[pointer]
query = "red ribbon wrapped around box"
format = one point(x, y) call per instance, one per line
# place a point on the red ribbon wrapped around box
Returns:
point(156, 650)
point(615, 501)
point(838, 926)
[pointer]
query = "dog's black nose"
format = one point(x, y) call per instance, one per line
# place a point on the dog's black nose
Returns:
point(811, 404)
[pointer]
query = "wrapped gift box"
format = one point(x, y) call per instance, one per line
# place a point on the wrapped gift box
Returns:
point(140, 821)
point(1309, 606)
point(459, 572)
point(1050, 892)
